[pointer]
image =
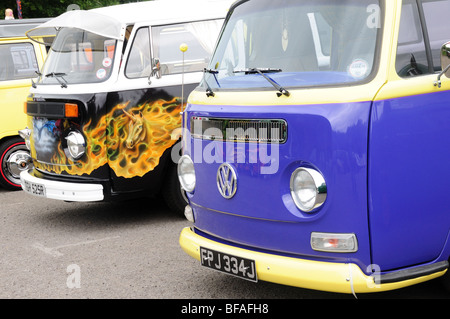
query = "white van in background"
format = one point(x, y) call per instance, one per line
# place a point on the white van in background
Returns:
point(103, 112)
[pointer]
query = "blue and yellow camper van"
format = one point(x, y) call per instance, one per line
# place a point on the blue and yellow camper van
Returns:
point(316, 149)
point(104, 115)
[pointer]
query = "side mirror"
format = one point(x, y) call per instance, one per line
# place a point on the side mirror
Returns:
point(156, 70)
point(445, 59)
point(445, 63)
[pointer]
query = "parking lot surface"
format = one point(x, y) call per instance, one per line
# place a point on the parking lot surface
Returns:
point(129, 250)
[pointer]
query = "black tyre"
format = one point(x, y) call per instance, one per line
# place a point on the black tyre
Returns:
point(173, 194)
point(14, 158)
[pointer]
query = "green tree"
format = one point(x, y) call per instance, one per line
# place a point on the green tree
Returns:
point(53, 8)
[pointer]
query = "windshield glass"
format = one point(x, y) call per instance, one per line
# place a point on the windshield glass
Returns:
point(78, 56)
point(296, 43)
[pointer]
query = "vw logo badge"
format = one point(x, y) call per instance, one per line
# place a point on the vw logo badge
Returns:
point(226, 181)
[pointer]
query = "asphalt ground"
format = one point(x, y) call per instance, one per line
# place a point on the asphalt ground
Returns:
point(129, 250)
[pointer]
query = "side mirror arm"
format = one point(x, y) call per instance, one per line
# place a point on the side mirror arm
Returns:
point(438, 83)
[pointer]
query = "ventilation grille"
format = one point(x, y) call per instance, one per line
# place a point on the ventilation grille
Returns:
point(239, 130)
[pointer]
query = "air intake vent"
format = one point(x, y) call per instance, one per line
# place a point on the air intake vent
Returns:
point(239, 130)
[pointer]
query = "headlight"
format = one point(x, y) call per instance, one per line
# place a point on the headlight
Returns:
point(308, 189)
point(186, 173)
point(76, 145)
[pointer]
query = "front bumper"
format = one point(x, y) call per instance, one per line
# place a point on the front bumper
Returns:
point(325, 276)
point(75, 192)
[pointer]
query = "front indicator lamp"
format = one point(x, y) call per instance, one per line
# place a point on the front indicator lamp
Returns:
point(76, 144)
point(189, 214)
point(334, 242)
point(70, 110)
point(308, 189)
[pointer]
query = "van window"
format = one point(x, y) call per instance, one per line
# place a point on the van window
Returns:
point(139, 59)
point(200, 38)
point(299, 43)
point(78, 56)
point(18, 61)
point(412, 57)
point(411, 54)
point(436, 16)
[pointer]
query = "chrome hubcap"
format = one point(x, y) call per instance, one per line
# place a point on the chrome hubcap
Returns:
point(17, 161)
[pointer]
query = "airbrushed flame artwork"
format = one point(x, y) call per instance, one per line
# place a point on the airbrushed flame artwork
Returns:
point(129, 139)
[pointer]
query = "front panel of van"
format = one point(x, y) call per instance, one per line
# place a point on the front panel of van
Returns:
point(64, 107)
point(125, 135)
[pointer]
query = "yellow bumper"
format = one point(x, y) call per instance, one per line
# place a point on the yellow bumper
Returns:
point(326, 276)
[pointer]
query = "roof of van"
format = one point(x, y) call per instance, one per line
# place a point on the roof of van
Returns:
point(110, 21)
point(161, 10)
point(17, 27)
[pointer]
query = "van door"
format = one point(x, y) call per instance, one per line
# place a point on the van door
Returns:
point(409, 145)
point(158, 76)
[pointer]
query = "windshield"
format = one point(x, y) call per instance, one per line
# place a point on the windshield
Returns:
point(294, 43)
point(78, 56)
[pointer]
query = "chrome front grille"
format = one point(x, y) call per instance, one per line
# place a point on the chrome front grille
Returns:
point(239, 130)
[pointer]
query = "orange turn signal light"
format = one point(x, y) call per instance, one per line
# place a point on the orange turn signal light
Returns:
point(71, 110)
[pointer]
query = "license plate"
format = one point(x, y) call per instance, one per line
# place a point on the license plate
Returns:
point(34, 188)
point(233, 265)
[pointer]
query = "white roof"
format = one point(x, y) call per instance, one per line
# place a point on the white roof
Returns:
point(161, 10)
point(110, 21)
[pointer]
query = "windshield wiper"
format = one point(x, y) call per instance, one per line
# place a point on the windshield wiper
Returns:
point(281, 90)
point(209, 91)
point(257, 70)
point(57, 76)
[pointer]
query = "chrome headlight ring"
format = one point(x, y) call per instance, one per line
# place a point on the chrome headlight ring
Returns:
point(186, 173)
point(308, 189)
point(76, 144)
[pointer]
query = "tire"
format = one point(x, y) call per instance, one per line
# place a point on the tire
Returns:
point(174, 196)
point(14, 158)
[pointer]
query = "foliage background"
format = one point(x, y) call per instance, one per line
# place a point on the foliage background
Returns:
point(53, 8)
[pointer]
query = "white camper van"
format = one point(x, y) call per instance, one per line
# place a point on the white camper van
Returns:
point(104, 113)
